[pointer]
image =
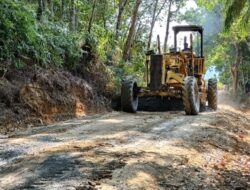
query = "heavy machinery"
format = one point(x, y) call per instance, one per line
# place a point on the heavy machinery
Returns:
point(177, 74)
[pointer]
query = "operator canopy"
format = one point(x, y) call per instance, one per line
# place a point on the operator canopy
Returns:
point(188, 28)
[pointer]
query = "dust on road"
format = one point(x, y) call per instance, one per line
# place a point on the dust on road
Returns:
point(166, 150)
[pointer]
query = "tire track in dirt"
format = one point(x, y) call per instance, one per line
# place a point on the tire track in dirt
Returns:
point(165, 150)
point(27, 149)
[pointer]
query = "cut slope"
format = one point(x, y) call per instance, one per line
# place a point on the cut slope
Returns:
point(36, 96)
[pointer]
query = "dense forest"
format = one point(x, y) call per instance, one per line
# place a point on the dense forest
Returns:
point(61, 33)
point(121, 94)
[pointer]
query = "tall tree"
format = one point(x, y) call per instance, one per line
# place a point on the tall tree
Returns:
point(156, 12)
point(121, 8)
point(40, 9)
point(73, 16)
point(62, 9)
point(51, 7)
point(167, 25)
point(152, 24)
point(91, 19)
point(128, 43)
point(235, 67)
point(44, 2)
point(235, 9)
point(173, 10)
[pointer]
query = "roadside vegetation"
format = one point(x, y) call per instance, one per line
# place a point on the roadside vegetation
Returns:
point(228, 46)
point(60, 33)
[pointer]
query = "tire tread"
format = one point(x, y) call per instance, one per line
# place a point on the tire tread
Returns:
point(212, 94)
point(128, 104)
point(187, 97)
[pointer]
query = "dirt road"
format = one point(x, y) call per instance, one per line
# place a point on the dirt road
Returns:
point(166, 150)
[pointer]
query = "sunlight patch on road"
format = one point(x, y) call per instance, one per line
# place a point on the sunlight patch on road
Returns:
point(141, 179)
point(19, 141)
point(111, 120)
point(14, 178)
point(108, 187)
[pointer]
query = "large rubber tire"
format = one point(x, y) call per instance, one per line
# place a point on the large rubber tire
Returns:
point(212, 94)
point(202, 107)
point(129, 98)
point(191, 97)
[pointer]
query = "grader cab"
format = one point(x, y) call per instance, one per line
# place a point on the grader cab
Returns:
point(177, 74)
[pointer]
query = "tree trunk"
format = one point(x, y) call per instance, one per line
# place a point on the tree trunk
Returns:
point(51, 7)
point(152, 24)
point(76, 18)
point(73, 16)
point(122, 5)
point(62, 9)
point(243, 76)
point(92, 16)
point(44, 5)
point(137, 33)
point(128, 43)
point(40, 10)
point(104, 19)
point(235, 69)
point(234, 73)
point(167, 26)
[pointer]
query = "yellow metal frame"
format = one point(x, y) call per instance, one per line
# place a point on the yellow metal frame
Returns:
point(173, 81)
point(173, 78)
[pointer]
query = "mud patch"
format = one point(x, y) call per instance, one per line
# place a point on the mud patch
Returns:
point(105, 171)
point(99, 173)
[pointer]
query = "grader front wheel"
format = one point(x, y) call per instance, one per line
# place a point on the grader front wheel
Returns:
point(129, 98)
point(212, 94)
point(191, 98)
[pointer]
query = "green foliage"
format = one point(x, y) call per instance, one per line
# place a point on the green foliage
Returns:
point(58, 35)
point(57, 44)
point(222, 53)
point(209, 4)
point(18, 34)
point(23, 38)
point(220, 85)
point(237, 11)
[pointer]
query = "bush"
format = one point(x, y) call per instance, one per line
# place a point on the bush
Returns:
point(57, 44)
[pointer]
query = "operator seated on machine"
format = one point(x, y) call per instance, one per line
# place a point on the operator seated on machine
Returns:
point(186, 48)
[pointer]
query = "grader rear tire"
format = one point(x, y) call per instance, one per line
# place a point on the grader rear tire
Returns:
point(212, 94)
point(190, 97)
point(129, 98)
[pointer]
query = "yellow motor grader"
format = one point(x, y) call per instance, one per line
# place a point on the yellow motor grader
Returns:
point(177, 74)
